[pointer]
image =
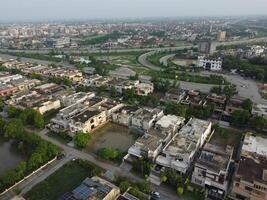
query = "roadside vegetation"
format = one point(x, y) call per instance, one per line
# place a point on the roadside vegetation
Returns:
point(37, 151)
point(253, 68)
point(39, 56)
point(81, 139)
point(67, 177)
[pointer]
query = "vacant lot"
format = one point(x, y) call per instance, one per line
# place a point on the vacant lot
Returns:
point(184, 62)
point(111, 136)
point(224, 137)
point(63, 180)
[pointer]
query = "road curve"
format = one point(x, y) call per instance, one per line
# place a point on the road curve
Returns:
point(164, 60)
point(142, 59)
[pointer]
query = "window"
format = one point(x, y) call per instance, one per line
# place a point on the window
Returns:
point(248, 188)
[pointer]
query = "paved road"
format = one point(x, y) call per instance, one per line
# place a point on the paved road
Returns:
point(95, 50)
point(41, 175)
point(246, 88)
point(41, 62)
point(164, 59)
point(143, 58)
point(74, 153)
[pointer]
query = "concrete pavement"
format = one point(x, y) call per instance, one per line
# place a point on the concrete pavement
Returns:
point(119, 171)
point(38, 177)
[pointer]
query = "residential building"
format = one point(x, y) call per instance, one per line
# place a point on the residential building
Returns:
point(6, 78)
point(209, 63)
point(34, 100)
point(87, 121)
point(48, 88)
point(121, 85)
point(221, 36)
point(153, 140)
point(46, 106)
point(218, 101)
point(123, 116)
point(145, 118)
point(259, 110)
point(25, 84)
point(78, 97)
point(182, 148)
point(175, 95)
point(7, 90)
point(109, 106)
point(207, 47)
point(250, 181)
point(94, 188)
point(194, 99)
point(144, 89)
point(63, 42)
point(76, 117)
point(212, 170)
point(234, 103)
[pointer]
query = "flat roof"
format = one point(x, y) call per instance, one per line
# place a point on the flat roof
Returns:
point(215, 158)
point(250, 169)
point(170, 120)
point(181, 144)
point(84, 116)
point(255, 145)
point(195, 127)
point(127, 109)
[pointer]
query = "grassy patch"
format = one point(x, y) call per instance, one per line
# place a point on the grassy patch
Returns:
point(223, 137)
point(61, 137)
point(63, 180)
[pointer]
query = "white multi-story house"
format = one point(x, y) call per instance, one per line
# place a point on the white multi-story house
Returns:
point(209, 64)
point(182, 148)
point(144, 119)
point(87, 121)
point(153, 141)
point(123, 116)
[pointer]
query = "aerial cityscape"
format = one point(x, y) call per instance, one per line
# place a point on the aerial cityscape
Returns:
point(136, 100)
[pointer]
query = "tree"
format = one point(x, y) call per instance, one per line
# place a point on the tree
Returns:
point(180, 190)
point(38, 120)
point(229, 91)
point(32, 117)
point(143, 166)
point(216, 90)
point(2, 105)
point(13, 112)
point(124, 185)
point(175, 109)
point(163, 178)
point(2, 126)
point(239, 117)
point(81, 139)
point(35, 161)
point(13, 128)
point(258, 122)
point(113, 92)
point(109, 153)
point(247, 104)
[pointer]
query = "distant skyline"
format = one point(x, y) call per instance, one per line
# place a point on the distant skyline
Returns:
point(38, 10)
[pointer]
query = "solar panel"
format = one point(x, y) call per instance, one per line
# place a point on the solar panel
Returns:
point(67, 196)
point(83, 192)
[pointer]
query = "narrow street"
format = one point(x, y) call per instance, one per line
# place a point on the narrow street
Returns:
point(74, 153)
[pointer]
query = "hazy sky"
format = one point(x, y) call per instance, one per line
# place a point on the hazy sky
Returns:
point(89, 9)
